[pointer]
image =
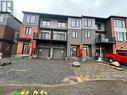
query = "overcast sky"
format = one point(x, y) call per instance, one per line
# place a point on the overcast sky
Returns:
point(101, 8)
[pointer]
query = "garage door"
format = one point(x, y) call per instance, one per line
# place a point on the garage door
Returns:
point(58, 53)
point(44, 52)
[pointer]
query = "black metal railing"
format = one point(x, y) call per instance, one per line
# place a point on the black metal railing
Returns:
point(105, 40)
point(48, 36)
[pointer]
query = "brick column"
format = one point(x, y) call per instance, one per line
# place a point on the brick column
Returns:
point(113, 34)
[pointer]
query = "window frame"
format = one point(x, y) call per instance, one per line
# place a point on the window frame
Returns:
point(45, 23)
point(88, 22)
point(61, 36)
point(75, 34)
point(75, 22)
point(121, 36)
point(87, 34)
point(61, 24)
point(57, 35)
point(45, 34)
point(27, 31)
point(29, 19)
point(119, 23)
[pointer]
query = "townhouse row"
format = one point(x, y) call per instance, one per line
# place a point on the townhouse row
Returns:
point(60, 36)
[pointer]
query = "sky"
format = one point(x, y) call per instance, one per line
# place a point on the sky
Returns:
point(99, 8)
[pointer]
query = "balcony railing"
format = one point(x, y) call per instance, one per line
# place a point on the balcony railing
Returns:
point(23, 36)
point(106, 40)
point(50, 36)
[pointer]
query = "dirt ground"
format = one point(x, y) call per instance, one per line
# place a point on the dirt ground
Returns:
point(96, 71)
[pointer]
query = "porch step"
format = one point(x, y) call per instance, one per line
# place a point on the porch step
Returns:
point(23, 56)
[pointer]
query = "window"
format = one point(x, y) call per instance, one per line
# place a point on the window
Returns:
point(75, 34)
point(87, 34)
point(30, 19)
point(123, 54)
point(75, 23)
point(1, 18)
point(88, 22)
point(26, 48)
point(121, 36)
point(61, 36)
point(61, 24)
point(119, 23)
point(45, 23)
point(45, 34)
point(98, 26)
point(115, 23)
point(28, 31)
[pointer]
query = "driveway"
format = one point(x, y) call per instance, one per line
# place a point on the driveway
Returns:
point(47, 75)
point(35, 71)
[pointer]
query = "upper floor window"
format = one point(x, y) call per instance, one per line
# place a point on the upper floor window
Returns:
point(28, 31)
point(88, 22)
point(61, 24)
point(87, 34)
point(45, 23)
point(75, 23)
point(1, 18)
point(75, 34)
point(121, 36)
point(30, 19)
point(45, 34)
point(119, 23)
point(59, 35)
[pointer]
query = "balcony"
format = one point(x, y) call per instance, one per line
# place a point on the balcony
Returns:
point(53, 24)
point(50, 36)
point(105, 40)
point(24, 37)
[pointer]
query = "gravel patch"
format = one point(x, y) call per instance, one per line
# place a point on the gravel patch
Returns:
point(35, 71)
point(93, 71)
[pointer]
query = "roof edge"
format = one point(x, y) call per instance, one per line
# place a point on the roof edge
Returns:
point(75, 16)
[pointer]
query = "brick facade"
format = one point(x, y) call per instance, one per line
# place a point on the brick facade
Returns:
point(85, 46)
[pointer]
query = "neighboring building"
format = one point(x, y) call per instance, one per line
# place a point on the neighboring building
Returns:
point(119, 31)
point(9, 30)
point(58, 36)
